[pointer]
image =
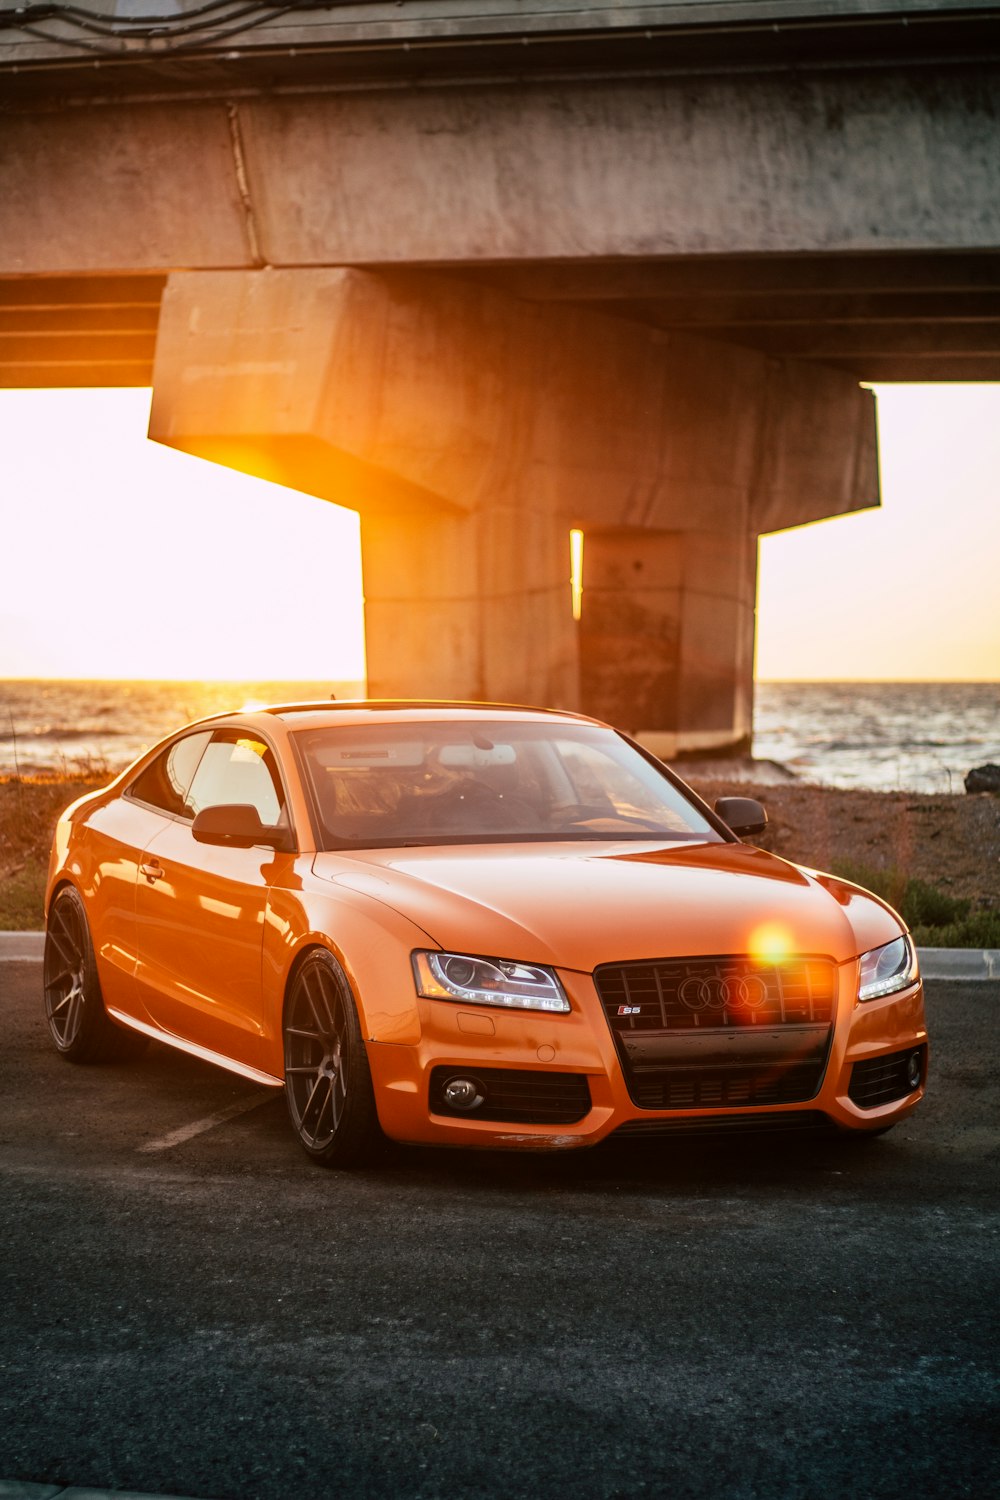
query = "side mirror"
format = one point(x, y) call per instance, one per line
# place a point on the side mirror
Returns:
point(237, 825)
point(743, 814)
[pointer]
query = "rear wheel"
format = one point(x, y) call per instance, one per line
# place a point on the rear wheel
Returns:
point(74, 1007)
point(328, 1086)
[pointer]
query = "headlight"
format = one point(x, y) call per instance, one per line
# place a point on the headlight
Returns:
point(885, 970)
point(488, 981)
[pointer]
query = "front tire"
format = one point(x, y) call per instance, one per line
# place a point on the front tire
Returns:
point(328, 1085)
point(74, 1006)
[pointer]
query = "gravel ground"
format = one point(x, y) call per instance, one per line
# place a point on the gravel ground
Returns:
point(952, 842)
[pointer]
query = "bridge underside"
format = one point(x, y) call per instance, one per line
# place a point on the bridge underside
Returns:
point(883, 316)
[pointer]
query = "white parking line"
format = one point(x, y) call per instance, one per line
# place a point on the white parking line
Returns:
point(198, 1127)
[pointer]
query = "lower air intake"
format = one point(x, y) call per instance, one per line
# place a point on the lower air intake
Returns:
point(516, 1096)
point(882, 1080)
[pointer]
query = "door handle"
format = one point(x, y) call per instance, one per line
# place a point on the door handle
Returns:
point(153, 871)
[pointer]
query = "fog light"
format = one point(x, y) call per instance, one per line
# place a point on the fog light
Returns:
point(463, 1093)
point(914, 1069)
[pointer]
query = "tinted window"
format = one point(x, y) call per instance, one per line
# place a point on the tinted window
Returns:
point(237, 768)
point(456, 783)
point(165, 781)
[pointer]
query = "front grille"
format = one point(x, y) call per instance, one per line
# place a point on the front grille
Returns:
point(789, 1120)
point(688, 994)
point(517, 1097)
point(722, 1032)
point(881, 1080)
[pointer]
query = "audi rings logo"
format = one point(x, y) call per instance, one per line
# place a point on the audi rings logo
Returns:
point(718, 993)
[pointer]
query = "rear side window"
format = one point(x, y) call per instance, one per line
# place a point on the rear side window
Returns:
point(239, 769)
point(165, 781)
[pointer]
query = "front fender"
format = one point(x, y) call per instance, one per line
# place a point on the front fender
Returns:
point(370, 940)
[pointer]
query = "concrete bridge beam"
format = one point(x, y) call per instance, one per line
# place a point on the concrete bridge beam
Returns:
point(471, 431)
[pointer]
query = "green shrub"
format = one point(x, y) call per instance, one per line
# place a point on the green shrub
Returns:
point(980, 930)
point(936, 919)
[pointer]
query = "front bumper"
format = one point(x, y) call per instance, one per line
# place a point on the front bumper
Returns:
point(467, 1038)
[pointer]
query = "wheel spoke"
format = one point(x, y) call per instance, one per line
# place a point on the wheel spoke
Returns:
point(313, 1036)
point(69, 955)
point(322, 1110)
point(312, 1094)
point(338, 1096)
point(307, 991)
point(72, 1020)
point(307, 1068)
point(338, 1017)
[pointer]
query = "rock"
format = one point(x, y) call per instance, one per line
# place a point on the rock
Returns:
point(984, 779)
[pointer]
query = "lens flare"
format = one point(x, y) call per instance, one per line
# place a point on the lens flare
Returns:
point(771, 942)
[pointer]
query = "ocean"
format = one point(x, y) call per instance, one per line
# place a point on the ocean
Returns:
point(885, 736)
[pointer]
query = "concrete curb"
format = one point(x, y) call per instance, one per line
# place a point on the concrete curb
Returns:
point(959, 963)
point(20, 947)
point(971, 964)
point(24, 1489)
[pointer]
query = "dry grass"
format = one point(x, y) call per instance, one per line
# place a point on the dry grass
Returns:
point(29, 807)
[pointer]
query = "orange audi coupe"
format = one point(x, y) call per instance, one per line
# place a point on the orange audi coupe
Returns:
point(466, 925)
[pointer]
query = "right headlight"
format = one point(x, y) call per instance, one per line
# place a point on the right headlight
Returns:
point(887, 969)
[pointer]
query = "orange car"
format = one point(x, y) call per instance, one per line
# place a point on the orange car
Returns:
point(469, 925)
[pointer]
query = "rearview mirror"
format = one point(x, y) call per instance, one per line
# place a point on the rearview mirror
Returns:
point(238, 825)
point(742, 814)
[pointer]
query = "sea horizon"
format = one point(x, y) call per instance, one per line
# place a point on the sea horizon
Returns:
point(910, 734)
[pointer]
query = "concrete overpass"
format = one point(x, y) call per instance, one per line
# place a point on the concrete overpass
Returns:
point(486, 272)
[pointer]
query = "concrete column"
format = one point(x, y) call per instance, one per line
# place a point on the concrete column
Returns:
point(471, 431)
point(667, 636)
point(630, 628)
point(472, 607)
point(715, 687)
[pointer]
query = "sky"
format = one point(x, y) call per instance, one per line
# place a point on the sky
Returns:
point(126, 559)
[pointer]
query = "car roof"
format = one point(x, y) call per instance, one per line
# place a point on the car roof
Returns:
point(315, 714)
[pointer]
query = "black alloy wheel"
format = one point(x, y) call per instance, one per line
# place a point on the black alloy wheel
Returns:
point(328, 1084)
point(74, 1007)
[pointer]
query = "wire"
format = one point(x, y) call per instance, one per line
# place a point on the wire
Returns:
point(220, 20)
point(211, 22)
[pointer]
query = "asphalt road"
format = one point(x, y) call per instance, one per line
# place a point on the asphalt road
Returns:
point(217, 1317)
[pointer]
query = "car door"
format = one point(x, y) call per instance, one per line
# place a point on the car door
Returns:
point(200, 908)
point(118, 834)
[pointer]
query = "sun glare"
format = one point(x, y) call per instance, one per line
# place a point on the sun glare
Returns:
point(137, 561)
point(771, 942)
point(134, 560)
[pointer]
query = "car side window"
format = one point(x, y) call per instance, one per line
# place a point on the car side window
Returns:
point(165, 781)
point(239, 769)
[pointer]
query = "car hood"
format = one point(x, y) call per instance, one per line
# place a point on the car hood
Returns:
point(578, 905)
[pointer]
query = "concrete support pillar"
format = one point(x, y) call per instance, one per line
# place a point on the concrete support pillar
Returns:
point(471, 431)
point(667, 636)
point(715, 689)
point(630, 627)
point(470, 607)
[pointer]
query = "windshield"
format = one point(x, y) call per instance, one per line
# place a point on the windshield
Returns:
point(381, 785)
